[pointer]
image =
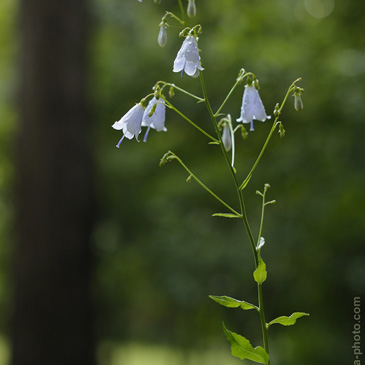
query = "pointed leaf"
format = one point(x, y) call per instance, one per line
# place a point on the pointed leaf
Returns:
point(232, 303)
point(246, 181)
point(226, 215)
point(260, 274)
point(288, 321)
point(241, 348)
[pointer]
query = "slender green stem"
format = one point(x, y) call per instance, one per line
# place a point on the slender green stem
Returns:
point(264, 328)
point(180, 89)
point(238, 81)
point(231, 169)
point(168, 13)
point(227, 97)
point(205, 187)
point(169, 105)
point(182, 11)
point(243, 215)
point(275, 124)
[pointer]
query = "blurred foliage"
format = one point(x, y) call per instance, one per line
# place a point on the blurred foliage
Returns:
point(159, 253)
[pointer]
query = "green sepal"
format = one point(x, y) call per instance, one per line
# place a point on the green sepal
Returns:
point(213, 142)
point(232, 303)
point(241, 348)
point(288, 321)
point(260, 274)
point(226, 215)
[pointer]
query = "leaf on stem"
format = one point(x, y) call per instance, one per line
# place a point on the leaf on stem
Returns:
point(241, 348)
point(232, 303)
point(246, 181)
point(288, 321)
point(226, 215)
point(260, 274)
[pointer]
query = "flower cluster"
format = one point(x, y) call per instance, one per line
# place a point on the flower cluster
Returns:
point(187, 61)
point(137, 117)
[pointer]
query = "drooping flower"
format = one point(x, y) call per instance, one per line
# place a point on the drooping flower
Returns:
point(191, 10)
point(188, 58)
point(252, 107)
point(154, 116)
point(226, 137)
point(130, 123)
point(298, 103)
point(162, 35)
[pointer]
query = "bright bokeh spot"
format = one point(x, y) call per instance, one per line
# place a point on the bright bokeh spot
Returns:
point(319, 8)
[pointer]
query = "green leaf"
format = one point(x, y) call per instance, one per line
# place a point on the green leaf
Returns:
point(232, 303)
point(288, 321)
point(246, 181)
point(241, 348)
point(260, 274)
point(226, 215)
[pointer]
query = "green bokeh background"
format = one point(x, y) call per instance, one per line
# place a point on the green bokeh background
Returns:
point(159, 253)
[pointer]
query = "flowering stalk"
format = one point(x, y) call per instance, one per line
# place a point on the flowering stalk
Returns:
point(242, 214)
point(188, 62)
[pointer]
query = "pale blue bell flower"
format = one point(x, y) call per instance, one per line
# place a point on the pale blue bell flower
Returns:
point(157, 119)
point(130, 123)
point(252, 107)
point(188, 58)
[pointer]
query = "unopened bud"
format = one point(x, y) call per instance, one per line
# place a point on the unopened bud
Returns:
point(191, 11)
point(281, 130)
point(226, 137)
point(298, 103)
point(153, 109)
point(171, 92)
point(162, 35)
point(277, 110)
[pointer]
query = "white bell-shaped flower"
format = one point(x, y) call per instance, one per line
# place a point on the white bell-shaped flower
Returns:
point(188, 58)
point(252, 107)
point(130, 123)
point(157, 119)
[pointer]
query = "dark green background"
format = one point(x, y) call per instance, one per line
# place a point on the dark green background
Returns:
point(159, 253)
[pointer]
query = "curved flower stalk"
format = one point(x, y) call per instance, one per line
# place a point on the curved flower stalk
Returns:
point(130, 123)
point(188, 58)
point(252, 107)
point(154, 116)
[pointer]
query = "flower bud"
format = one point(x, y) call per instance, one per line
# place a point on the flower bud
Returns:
point(162, 35)
point(277, 110)
point(171, 92)
point(298, 103)
point(191, 11)
point(226, 137)
point(151, 112)
point(281, 130)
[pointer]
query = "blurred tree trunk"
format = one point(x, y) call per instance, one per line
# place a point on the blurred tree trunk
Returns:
point(52, 319)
